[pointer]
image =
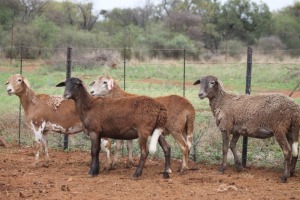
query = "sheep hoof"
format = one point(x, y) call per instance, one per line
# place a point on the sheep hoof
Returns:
point(129, 164)
point(136, 176)
point(46, 164)
point(166, 175)
point(181, 170)
point(222, 169)
point(90, 176)
point(283, 179)
point(93, 172)
point(239, 167)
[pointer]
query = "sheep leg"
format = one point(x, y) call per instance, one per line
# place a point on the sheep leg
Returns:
point(286, 148)
point(225, 139)
point(105, 145)
point(45, 147)
point(38, 135)
point(293, 141)
point(129, 150)
point(119, 144)
point(143, 157)
point(167, 151)
point(237, 161)
point(184, 150)
point(95, 149)
point(37, 147)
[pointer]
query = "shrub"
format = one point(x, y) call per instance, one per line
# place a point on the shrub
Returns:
point(234, 48)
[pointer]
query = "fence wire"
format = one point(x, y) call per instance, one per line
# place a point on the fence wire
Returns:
point(153, 73)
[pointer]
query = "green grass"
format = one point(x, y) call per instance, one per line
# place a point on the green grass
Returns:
point(157, 79)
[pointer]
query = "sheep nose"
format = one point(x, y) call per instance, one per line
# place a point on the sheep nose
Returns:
point(92, 92)
point(8, 90)
point(200, 94)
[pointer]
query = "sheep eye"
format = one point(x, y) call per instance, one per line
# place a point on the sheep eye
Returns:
point(212, 82)
point(19, 80)
point(105, 82)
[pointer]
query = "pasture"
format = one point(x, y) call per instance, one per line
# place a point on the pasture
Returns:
point(66, 176)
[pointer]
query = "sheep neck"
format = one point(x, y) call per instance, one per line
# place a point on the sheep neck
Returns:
point(217, 100)
point(118, 92)
point(83, 101)
point(27, 99)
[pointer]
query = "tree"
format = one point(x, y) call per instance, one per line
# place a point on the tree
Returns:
point(88, 19)
point(244, 20)
point(287, 27)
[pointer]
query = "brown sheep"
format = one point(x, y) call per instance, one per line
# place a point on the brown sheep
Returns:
point(46, 113)
point(181, 116)
point(258, 116)
point(124, 118)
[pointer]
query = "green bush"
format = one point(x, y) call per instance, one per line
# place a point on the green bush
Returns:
point(233, 48)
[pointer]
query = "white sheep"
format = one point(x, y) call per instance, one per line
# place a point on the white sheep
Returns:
point(258, 116)
point(181, 117)
point(46, 113)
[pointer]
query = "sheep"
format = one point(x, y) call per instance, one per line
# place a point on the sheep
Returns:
point(181, 117)
point(124, 118)
point(46, 113)
point(258, 116)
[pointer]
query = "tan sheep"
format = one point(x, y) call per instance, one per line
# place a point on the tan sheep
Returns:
point(181, 117)
point(258, 116)
point(46, 113)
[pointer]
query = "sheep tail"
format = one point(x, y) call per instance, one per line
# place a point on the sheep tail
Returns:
point(190, 129)
point(160, 125)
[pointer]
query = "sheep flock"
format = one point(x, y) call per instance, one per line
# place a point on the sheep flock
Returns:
point(108, 113)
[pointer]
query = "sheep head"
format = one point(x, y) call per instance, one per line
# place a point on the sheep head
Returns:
point(102, 86)
point(209, 86)
point(17, 84)
point(73, 88)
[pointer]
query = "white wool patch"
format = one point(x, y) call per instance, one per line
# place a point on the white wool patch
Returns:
point(55, 127)
point(189, 139)
point(55, 101)
point(154, 140)
point(105, 148)
point(295, 149)
point(39, 131)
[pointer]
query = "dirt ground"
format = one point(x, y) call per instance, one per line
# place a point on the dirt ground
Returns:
point(66, 178)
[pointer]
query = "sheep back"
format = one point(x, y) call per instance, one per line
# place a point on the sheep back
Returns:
point(247, 113)
point(114, 116)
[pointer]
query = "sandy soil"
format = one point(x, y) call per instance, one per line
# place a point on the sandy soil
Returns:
point(66, 178)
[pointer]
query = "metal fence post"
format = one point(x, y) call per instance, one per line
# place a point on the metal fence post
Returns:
point(20, 106)
point(68, 75)
point(184, 56)
point(124, 61)
point(248, 90)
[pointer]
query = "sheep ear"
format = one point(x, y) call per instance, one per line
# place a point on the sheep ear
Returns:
point(92, 83)
point(110, 84)
point(61, 84)
point(26, 82)
point(197, 82)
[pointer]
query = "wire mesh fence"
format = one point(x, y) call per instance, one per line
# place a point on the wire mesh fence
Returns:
point(153, 73)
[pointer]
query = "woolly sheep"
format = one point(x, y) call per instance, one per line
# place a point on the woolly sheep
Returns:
point(125, 118)
point(46, 113)
point(258, 116)
point(181, 116)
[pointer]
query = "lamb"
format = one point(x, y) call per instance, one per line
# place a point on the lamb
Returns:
point(258, 116)
point(125, 118)
point(46, 113)
point(181, 117)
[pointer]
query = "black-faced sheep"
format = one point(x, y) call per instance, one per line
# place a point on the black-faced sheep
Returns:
point(181, 116)
point(46, 113)
point(125, 118)
point(258, 116)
